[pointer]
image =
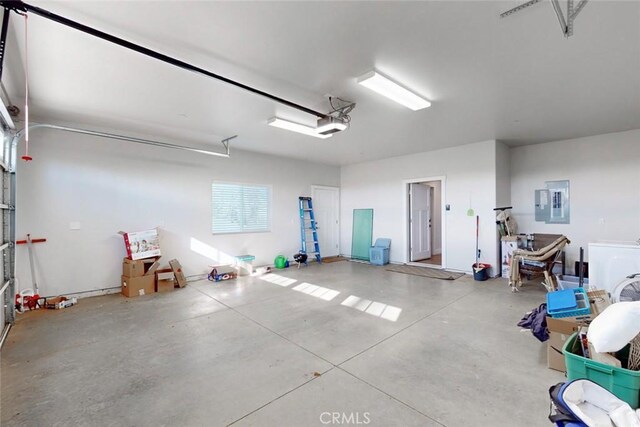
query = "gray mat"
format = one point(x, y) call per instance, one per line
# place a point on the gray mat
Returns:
point(425, 271)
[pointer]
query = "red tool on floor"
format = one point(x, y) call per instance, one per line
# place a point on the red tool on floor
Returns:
point(26, 298)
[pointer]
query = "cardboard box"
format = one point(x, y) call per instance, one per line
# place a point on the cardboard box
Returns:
point(509, 244)
point(177, 270)
point(559, 331)
point(164, 274)
point(58, 303)
point(142, 244)
point(599, 301)
point(139, 268)
point(165, 285)
point(137, 286)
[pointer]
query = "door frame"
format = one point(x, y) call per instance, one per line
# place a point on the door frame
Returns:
point(407, 216)
point(420, 230)
point(337, 190)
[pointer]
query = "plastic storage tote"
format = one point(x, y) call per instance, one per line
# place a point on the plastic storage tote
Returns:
point(624, 383)
point(570, 282)
point(379, 252)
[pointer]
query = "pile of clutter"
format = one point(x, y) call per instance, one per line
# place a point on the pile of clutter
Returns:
point(603, 368)
point(141, 270)
point(593, 337)
point(28, 299)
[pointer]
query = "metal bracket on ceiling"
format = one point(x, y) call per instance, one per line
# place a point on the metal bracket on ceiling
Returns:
point(225, 142)
point(519, 8)
point(566, 23)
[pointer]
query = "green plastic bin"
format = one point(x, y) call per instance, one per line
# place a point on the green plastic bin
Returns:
point(280, 261)
point(624, 383)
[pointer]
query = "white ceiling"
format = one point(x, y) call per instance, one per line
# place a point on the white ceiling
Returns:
point(515, 79)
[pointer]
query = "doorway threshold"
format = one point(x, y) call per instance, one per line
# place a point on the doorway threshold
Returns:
point(424, 264)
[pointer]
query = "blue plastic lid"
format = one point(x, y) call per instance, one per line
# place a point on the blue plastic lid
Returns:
point(561, 300)
point(382, 243)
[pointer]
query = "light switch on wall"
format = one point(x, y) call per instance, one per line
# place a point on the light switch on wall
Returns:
point(74, 225)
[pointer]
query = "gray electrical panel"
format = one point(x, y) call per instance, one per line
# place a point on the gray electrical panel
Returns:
point(559, 201)
point(552, 203)
point(543, 208)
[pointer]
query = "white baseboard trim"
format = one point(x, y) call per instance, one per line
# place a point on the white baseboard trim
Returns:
point(94, 293)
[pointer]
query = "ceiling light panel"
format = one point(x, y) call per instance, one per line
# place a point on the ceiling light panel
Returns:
point(392, 90)
point(295, 127)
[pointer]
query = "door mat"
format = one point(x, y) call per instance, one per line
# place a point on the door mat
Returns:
point(334, 259)
point(425, 271)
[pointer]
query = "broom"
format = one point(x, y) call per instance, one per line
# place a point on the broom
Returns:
point(476, 266)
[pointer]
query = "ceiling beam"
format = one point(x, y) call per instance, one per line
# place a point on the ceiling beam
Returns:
point(566, 24)
point(561, 20)
point(519, 8)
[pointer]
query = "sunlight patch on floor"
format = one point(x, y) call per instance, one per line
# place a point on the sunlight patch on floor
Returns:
point(374, 308)
point(278, 280)
point(317, 291)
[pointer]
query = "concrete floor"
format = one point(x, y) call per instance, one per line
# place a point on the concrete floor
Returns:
point(248, 352)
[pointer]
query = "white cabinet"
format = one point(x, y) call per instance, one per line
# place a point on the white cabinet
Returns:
point(611, 262)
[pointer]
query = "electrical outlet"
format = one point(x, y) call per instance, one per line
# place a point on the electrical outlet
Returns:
point(74, 225)
point(601, 221)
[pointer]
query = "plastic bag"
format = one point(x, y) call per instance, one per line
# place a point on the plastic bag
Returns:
point(615, 327)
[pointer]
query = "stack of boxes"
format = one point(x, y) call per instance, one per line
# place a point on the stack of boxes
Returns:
point(560, 329)
point(144, 277)
point(140, 270)
point(138, 276)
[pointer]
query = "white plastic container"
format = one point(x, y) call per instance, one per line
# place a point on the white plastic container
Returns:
point(570, 282)
point(611, 262)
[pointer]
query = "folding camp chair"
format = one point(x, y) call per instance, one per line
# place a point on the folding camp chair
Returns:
point(536, 263)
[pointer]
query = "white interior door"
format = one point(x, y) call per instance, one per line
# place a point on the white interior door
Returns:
point(326, 207)
point(420, 219)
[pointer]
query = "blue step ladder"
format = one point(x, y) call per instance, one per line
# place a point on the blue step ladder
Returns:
point(308, 226)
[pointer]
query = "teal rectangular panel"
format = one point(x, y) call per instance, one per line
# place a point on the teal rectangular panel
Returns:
point(362, 233)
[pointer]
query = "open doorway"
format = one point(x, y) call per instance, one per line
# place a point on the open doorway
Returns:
point(425, 227)
point(326, 205)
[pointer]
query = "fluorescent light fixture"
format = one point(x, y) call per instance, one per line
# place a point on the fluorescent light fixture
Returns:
point(381, 84)
point(295, 127)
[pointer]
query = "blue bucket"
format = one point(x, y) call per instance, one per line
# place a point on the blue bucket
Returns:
point(481, 271)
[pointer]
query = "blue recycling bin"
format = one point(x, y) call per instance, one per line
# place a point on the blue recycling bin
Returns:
point(379, 252)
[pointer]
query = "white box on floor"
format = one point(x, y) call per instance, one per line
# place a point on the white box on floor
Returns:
point(509, 244)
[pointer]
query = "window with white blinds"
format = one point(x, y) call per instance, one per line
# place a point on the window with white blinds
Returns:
point(240, 208)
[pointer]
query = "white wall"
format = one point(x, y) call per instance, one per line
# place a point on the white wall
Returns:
point(503, 183)
point(470, 173)
point(436, 217)
point(503, 175)
point(604, 174)
point(109, 185)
